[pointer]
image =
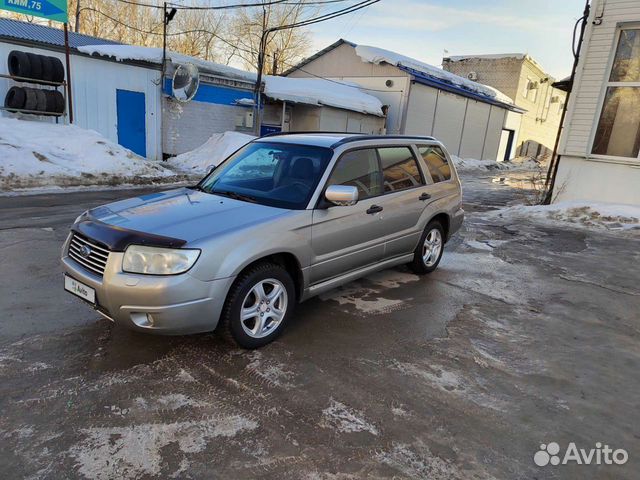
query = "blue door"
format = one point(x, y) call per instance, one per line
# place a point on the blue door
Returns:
point(131, 121)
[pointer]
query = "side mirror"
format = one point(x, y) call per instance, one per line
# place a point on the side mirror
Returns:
point(211, 168)
point(341, 195)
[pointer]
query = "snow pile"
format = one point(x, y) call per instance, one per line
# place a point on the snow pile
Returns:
point(38, 154)
point(317, 91)
point(607, 216)
point(212, 152)
point(378, 55)
point(472, 164)
point(154, 55)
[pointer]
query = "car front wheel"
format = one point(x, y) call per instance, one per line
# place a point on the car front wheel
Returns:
point(258, 305)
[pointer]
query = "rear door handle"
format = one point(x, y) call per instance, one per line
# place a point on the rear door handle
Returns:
point(424, 196)
point(374, 209)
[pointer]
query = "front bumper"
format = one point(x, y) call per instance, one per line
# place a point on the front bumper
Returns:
point(169, 305)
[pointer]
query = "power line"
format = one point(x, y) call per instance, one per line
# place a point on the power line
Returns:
point(229, 7)
point(339, 82)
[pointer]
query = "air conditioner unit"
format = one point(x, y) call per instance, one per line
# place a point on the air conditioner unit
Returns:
point(473, 76)
point(555, 99)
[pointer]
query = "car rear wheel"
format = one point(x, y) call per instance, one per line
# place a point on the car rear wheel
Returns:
point(258, 306)
point(429, 251)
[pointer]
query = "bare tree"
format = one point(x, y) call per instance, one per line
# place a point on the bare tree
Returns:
point(283, 48)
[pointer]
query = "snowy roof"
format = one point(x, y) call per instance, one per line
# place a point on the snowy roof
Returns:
point(318, 91)
point(34, 32)
point(489, 56)
point(379, 55)
point(154, 55)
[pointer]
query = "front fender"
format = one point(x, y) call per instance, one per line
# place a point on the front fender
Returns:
point(227, 256)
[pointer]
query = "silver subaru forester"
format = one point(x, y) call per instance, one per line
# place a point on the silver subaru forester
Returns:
point(284, 218)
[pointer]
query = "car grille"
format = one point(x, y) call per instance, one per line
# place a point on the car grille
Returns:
point(95, 261)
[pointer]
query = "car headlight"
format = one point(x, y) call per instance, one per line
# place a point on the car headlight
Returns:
point(158, 261)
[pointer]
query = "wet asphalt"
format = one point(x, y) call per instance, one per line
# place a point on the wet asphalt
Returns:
point(526, 334)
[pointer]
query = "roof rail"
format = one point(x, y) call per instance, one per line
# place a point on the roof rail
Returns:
point(382, 137)
point(277, 134)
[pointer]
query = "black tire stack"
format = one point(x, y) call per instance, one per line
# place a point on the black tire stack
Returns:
point(37, 69)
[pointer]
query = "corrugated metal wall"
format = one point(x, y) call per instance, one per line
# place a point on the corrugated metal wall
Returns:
point(468, 128)
point(94, 84)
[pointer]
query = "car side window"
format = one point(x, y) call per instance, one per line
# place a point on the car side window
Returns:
point(399, 168)
point(436, 161)
point(360, 169)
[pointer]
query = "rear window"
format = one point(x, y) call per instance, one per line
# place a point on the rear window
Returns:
point(399, 168)
point(436, 161)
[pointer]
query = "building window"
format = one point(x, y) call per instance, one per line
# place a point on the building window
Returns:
point(618, 131)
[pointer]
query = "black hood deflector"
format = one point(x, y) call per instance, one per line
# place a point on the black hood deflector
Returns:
point(118, 238)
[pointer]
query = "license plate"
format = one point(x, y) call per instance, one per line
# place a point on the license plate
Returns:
point(79, 289)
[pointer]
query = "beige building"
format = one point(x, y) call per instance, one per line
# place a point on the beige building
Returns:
point(469, 118)
point(600, 145)
point(520, 77)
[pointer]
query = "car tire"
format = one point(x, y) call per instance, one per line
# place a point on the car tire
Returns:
point(41, 100)
point(31, 102)
point(19, 65)
point(58, 70)
point(15, 98)
point(428, 253)
point(35, 64)
point(47, 68)
point(265, 289)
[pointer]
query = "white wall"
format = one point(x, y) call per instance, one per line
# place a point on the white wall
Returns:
point(94, 83)
point(581, 175)
point(475, 122)
point(449, 120)
point(588, 180)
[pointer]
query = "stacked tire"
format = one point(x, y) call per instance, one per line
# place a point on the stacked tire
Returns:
point(35, 67)
point(40, 69)
point(49, 102)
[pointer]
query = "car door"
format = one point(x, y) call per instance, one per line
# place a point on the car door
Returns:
point(345, 238)
point(405, 197)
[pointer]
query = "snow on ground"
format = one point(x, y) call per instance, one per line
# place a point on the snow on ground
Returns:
point(39, 154)
point(212, 152)
point(154, 55)
point(583, 214)
point(317, 91)
point(469, 164)
point(378, 55)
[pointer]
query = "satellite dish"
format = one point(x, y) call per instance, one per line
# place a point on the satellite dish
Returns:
point(186, 80)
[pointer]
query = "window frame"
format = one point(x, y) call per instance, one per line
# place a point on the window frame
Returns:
point(321, 203)
point(601, 97)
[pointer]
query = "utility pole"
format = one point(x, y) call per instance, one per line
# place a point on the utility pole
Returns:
point(257, 90)
point(76, 27)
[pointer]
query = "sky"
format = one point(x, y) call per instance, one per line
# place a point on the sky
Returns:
point(424, 29)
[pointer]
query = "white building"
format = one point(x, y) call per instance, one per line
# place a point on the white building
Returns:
point(600, 145)
point(118, 91)
point(469, 118)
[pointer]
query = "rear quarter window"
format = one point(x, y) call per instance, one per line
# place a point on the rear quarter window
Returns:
point(399, 169)
point(436, 162)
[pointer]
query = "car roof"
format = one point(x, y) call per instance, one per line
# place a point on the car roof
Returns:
point(332, 140)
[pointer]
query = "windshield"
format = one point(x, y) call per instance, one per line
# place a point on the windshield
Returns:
point(275, 174)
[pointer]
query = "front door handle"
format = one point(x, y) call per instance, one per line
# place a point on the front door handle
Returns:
point(424, 196)
point(374, 209)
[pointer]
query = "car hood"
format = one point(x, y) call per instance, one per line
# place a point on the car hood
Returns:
point(183, 213)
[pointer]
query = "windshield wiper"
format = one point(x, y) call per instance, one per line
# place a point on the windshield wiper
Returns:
point(234, 195)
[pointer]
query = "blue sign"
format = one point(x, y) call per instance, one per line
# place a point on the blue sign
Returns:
point(50, 9)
